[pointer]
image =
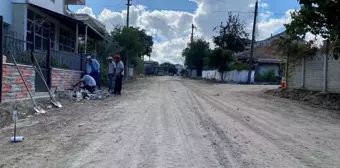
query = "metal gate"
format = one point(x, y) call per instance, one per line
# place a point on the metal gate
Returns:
point(15, 44)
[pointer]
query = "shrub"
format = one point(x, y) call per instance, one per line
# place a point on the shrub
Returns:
point(268, 76)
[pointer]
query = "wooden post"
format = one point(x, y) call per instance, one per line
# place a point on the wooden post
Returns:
point(303, 62)
point(48, 62)
point(325, 67)
point(81, 61)
point(1, 57)
point(77, 36)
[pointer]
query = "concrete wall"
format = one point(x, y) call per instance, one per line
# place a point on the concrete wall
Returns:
point(6, 10)
point(230, 76)
point(56, 6)
point(13, 86)
point(131, 72)
point(309, 74)
point(64, 79)
point(19, 21)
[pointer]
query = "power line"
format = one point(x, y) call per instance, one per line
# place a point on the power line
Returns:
point(138, 2)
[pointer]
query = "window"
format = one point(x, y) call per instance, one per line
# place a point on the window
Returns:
point(42, 29)
point(66, 40)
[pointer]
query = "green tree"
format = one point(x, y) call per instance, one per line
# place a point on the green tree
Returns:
point(317, 17)
point(169, 67)
point(133, 40)
point(232, 36)
point(195, 53)
point(122, 40)
point(220, 59)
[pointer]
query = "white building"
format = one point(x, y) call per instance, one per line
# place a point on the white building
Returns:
point(35, 20)
point(179, 68)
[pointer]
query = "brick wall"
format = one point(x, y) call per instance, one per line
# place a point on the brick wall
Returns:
point(13, 86)
point(64, 79)
point(314, 74)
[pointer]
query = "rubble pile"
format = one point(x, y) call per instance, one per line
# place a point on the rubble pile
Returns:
point(82, 94)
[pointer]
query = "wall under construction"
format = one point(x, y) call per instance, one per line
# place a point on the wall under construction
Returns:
point(64, 79)
point(12, 85)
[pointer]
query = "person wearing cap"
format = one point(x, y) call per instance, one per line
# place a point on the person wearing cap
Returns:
point(88, 81)
point(119, 76)
point(93, 68)
point(111, 71)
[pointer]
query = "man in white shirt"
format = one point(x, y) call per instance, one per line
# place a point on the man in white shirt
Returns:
point(89, 82)
point(112, 72)
point(93, 69)
point(119, 76)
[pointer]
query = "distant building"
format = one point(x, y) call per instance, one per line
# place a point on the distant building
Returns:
point(263, 59)
point(152, 68)
point(179, 68)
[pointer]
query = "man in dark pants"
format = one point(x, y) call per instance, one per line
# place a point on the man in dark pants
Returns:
point(111, 72)
point(119, 76)
point(93, 68)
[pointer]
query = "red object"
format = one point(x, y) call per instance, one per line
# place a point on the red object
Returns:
point(283, 84)
point(117, 57)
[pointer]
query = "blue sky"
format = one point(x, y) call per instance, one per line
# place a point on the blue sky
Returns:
point(275, 6)
point(171, 28)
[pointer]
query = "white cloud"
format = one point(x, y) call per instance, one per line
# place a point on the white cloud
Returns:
point(86, 10)
point(172, 28)
point(267, 25)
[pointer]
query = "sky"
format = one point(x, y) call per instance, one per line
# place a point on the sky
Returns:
point(169, 21)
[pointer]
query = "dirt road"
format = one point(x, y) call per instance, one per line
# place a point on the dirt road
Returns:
point(174, 122)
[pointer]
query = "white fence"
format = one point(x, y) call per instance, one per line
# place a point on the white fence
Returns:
point(230, 76)
point(319, 73)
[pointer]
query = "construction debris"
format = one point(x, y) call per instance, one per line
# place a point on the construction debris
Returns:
point(79, 95)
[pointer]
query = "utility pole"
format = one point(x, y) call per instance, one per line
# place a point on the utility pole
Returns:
point(127, 52)
point(192, 32)
point(252, 43)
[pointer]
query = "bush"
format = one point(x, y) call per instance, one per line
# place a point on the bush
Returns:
point(268, 76)
point(239, 66)
point(139, 66)
point(103, 73)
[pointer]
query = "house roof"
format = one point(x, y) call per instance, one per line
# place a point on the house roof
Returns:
point(71, 23)
point(260, 55)
point(91, 22)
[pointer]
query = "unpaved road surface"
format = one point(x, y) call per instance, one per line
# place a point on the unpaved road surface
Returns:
point(176, 123)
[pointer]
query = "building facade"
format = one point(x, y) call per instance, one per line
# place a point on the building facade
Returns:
point(47, 30)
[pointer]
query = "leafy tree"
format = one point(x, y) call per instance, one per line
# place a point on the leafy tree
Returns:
point(169, 67)
point(317, 17)
point(133, 40)
point(220, 58)
point(120, 41)
point(233, 35)
point(195, 53)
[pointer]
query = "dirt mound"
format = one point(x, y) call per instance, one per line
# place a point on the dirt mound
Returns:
point(315, 99)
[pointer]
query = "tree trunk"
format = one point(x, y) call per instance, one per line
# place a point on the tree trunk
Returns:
point(286, 71)
point(222, 76)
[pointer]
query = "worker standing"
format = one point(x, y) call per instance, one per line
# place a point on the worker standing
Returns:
point(119, 76)
point(93, 69)
point(111, 72)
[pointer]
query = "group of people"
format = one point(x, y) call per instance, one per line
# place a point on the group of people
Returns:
point(91, 78)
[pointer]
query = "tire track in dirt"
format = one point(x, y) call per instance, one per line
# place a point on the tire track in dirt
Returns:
point(193, 131)
point(116, 146)
point(280, 139)
point(171, 153)
point(226, 156)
